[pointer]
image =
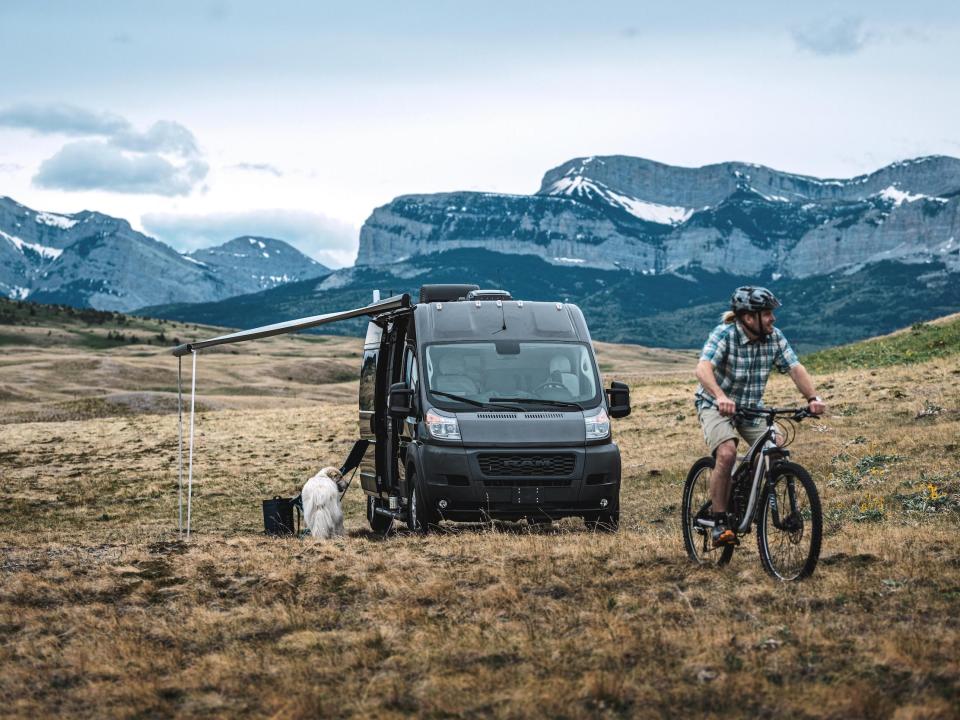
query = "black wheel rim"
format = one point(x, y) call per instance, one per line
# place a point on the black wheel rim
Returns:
point(787, 547)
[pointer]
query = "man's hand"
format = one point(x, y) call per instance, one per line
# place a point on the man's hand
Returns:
point(726, 406)
point(816, 407)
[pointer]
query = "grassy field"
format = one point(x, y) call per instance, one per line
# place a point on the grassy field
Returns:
point(105, 612)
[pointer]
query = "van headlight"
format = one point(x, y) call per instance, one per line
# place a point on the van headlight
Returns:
point(597, 426)
point(442, 427)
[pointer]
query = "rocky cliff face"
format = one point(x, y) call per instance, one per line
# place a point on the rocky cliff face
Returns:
point(631, 213)
point(92, 260)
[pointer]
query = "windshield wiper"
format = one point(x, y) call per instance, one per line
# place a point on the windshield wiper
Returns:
point(474, 403)
point(537, 401)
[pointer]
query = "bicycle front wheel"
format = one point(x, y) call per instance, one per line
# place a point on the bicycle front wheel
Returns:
point(697, 504)
point(790, 524)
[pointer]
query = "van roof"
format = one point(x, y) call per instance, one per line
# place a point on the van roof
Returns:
point(505, 320)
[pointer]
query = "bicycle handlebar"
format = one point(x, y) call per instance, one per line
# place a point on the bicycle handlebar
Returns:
point(797, 414)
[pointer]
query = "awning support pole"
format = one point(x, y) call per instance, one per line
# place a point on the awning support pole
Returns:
point(193, 397)
point(180, 446)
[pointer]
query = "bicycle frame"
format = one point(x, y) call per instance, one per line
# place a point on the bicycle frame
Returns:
point(764, 446)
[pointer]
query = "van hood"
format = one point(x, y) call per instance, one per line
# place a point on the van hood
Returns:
point(517, 429)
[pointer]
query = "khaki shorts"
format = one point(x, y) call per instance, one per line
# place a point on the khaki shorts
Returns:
point(718, 429)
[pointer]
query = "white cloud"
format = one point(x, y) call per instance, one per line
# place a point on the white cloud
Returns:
point(163, 136)
point(842, 36)
point(61, 118)
point(97, 165)
point(163, 160)
point(258, 167)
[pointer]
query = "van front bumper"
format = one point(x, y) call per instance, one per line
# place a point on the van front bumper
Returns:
point(469, 483)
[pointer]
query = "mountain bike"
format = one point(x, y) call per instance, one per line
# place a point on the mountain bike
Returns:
point(766, 489)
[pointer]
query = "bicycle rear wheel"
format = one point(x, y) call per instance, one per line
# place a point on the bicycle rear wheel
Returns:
point(697, 504)
point(790, 524)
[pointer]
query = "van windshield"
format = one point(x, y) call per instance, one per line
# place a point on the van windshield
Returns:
point(481, 371)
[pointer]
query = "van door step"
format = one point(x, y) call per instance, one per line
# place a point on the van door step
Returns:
point(395, 514)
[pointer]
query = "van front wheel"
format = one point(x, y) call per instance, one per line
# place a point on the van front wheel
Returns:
point(420, 518)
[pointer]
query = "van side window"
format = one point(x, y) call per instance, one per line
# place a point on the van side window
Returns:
point(410, 372)
point(368, 379)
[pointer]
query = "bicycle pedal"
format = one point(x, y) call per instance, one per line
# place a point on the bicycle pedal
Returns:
point(727, 537)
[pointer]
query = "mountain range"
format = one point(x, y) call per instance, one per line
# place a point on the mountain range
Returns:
point(652, 251)
point(88, 259)
point(635, 214)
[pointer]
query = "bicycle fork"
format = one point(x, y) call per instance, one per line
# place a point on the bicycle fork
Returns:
point(789, 523)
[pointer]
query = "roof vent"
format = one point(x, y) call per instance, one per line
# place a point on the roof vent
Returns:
point(488, 295)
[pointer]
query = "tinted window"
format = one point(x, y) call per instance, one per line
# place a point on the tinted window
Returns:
point(481, 371)
point(368, 379)
point(410, 374)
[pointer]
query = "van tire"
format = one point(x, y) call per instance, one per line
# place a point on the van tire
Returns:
point(420, 518)
point(380, 524)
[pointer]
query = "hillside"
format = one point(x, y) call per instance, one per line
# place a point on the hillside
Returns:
point(921, 342)
point(105, 612)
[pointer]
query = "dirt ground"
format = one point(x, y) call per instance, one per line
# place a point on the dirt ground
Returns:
point(106, 612)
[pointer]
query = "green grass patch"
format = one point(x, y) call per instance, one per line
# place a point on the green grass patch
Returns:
point(922, 342)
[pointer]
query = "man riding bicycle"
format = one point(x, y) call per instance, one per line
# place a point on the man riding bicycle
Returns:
point(733, 369)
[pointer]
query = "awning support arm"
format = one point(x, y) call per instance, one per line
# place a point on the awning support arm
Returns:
point(180, 446)
point(193, 396)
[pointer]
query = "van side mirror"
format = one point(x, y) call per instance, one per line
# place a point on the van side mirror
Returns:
point(618, 399)
point(400, 400)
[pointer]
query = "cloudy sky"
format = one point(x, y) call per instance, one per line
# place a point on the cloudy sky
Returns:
point(199, 121)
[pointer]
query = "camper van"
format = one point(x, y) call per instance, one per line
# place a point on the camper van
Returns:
point(478, 406)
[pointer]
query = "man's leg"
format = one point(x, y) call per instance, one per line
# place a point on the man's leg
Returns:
point(726, 456)
point(721, 437)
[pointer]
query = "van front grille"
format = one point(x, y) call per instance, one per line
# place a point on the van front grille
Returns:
point(527, 482)
point(524, 465)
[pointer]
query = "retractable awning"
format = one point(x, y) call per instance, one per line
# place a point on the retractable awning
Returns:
point(392, 303)
point(380, 307)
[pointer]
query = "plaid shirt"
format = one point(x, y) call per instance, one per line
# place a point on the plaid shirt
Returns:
point(742, 367)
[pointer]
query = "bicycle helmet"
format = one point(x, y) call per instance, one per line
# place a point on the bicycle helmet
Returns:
point(753, 299)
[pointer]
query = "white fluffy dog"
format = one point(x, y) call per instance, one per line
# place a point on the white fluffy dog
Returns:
point(321, 504)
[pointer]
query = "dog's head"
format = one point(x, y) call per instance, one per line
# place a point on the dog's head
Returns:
point(334, 474)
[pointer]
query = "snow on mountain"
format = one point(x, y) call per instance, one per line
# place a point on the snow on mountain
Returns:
point(61, 221)
point(41, 250)
point(577, 186)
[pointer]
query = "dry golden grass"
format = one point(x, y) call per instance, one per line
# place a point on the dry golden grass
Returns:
point(105, 612)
